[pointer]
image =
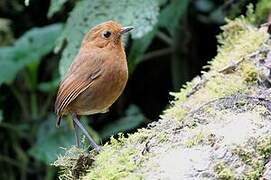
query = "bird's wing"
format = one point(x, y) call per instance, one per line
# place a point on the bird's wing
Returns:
point(82, 73)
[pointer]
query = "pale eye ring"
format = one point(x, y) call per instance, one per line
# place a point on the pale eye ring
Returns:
point(107, 34)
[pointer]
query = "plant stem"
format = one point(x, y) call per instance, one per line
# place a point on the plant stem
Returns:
point(157, 53)
point(21, 101)
point(34, 105)
point(47, 103)
point(165, 38)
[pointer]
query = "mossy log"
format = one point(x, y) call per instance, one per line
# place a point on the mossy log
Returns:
point(218, 126)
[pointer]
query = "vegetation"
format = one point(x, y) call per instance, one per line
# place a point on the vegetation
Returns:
point(39, 40)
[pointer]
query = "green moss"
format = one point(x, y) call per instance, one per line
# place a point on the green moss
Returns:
point(191, 123)
point(261, 110)
point(224, 85)
point(254, 157)
point(245, 155)
point(237, 42)
point(255, 171)
point(223, 172)
point(115, 161)
point(195, 140)
point(162, 137)
point(74, 163)
point(264, 147)
point(249, 73)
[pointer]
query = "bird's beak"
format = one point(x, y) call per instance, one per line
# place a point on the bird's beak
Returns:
point(126, 29)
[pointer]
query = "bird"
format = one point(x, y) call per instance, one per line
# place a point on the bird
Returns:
point(96, 77)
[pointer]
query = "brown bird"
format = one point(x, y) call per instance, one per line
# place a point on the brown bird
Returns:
point(96, 78)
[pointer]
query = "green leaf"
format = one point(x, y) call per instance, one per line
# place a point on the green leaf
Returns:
point(168, 18)
point(29, 48)
point(49, 86)
point(204, 5)
point(217, 16)
point(133, 118)
point(1, 116)
point(55, 6)
point(139, 46)
point(171, 14)
point(50, 140)
point(262, 11)
point(141, 14)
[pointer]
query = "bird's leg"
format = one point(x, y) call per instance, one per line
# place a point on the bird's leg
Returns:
point(77, 134)
point(92, 142)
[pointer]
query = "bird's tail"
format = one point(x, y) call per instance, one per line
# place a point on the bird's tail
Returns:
point(58, 121)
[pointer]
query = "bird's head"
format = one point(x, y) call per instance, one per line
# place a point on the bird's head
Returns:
point(107, 33)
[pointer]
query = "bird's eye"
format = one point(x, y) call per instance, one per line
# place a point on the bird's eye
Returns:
point(107, 34)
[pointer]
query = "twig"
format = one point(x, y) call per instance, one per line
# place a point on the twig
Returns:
point(21, 100)
point(8, 160)
point(201, 83)
point(165, 38)
point(232, 67)
point(156, 53)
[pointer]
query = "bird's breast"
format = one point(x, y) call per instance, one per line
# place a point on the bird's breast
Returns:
point(105, 89)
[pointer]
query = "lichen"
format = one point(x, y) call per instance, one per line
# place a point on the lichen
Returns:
point(254, 157)
point(195, 139)
point(249, 73)
point(224, 172)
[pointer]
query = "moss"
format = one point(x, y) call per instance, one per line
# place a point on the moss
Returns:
point(254, 158)
point(261, 110)
point(162, 137)
point(115, 161)
point(74, 163)
point(249, 73)
point(237, 42)
point(264, 147)
point(224, 85)
point(223, 172)
point(191, 123)
point(195, 140)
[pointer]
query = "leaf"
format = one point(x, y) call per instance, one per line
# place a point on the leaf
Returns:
point(139, 46)
point(1, 116)
point(49, 86)
point(29, 48)
point(141, 14)
point(50, 139)
point(217, 16)
point(171, 14)
point(55, 6)
point(133, 118)
point(168, 18)
point(204, 5)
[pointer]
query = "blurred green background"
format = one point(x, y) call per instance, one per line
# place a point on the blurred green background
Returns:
point(172, 41)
